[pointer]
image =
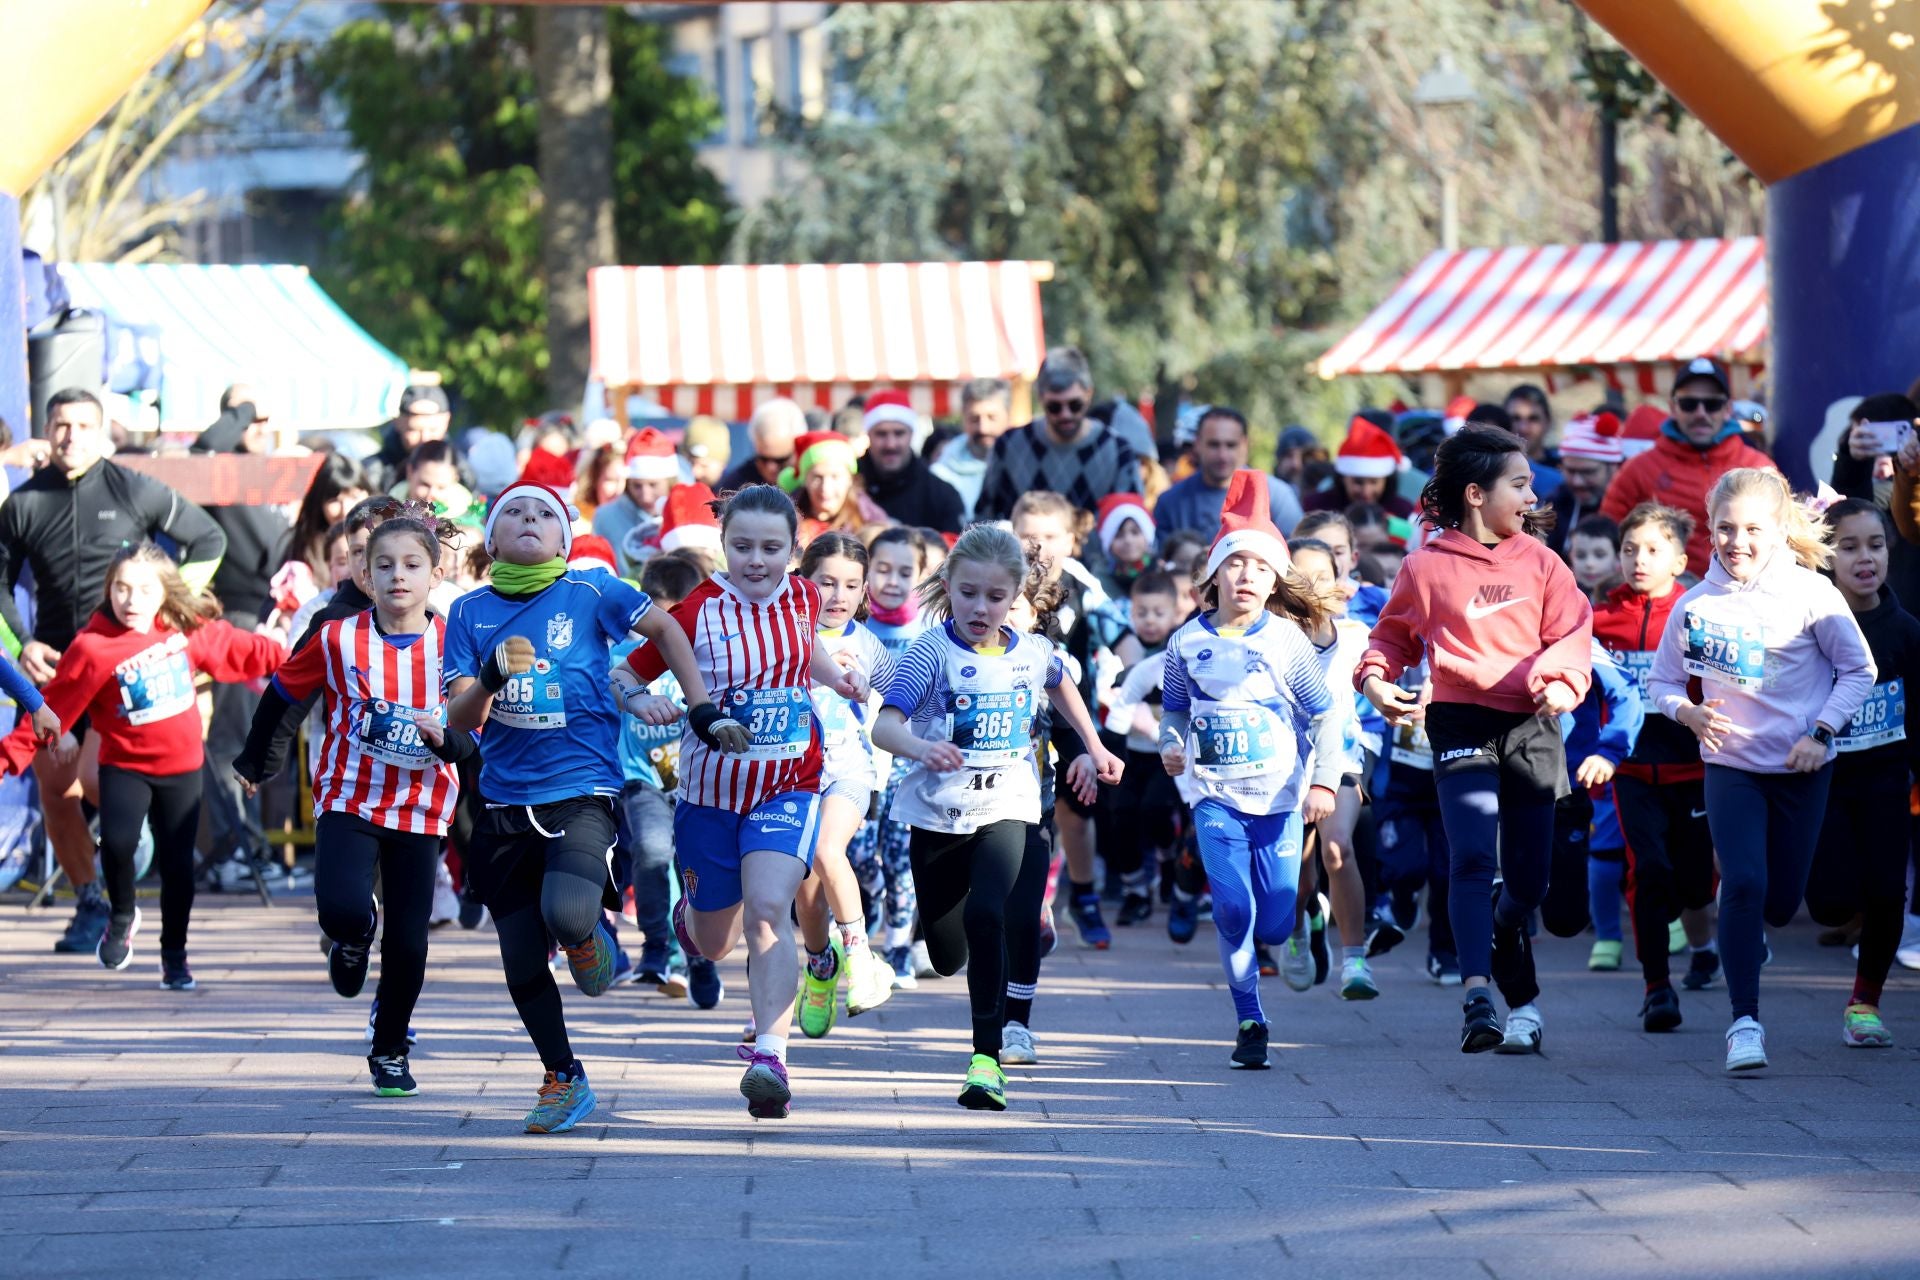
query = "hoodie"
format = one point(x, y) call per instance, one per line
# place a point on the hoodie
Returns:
point(1679, 473)
point(956, 465)
point(1497, 623)
point(1780, 652)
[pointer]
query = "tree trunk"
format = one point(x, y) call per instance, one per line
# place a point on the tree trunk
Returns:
point(574, 70)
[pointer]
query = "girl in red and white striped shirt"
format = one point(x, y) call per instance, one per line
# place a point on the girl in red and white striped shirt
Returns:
point(748, 816)
point(385, 787)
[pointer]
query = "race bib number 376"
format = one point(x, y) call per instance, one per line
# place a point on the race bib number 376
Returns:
point(1726, 653)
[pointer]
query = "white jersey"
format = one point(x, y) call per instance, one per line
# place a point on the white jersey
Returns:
point(1143, 679)
point(1338, 661)
point(847, 753)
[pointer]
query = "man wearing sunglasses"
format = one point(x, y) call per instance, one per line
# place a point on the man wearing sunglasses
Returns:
point(1699, 443)
point(775, 425)
point(1066, 449)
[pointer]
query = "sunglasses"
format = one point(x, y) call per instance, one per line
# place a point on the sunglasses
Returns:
point(765, 461)
point(1699, 404)
point(1063, 408)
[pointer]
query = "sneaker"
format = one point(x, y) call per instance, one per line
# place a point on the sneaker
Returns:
point(1317, 940)
point(750, 1034)
point(923, 962)
point(1383, 933)
point(704, 986)
point(473, 912)
point(1297, 968)
point(986, 1086)
point(1443, 968)
point(1135, 908)
point(1523, 1030)
point(1183, 917)
point(652, 970)
point(1050, 936)
point(1746, 1045)
point(1016, 1046)
point(373, 1013)
point(1263, 956)
point(565, 1100)
point(1676, 938)
point(623, 970)
point(1701, 971)
point(1094, 933)
point(1250, 1047)
point(674, 983)
point(1766, 951)
point(446, 903)
point(90, 917)
point(1481, 1028)
point(764, 1085)
point(347, 968)
point(592, 961)
point(115, 948)
point(1908, 953)
point(1863, 1029)
point(687, 948)
point(869, 981)
point(1605, 956)
point(1356, 980)
point(900, 960)
point(174, 974)
point(391, 1079)
point(1660, 1011)
point(819, 998)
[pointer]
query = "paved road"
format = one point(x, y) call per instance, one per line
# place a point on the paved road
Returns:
point(231, 1130)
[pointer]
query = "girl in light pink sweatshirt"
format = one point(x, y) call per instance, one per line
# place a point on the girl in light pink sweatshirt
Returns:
point(1764, 662)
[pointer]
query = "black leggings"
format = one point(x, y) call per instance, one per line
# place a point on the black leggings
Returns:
point(1565, 910)
point(348, 850)
point(1861, 862)
point(1669, 861)
point(1139, 811)
point(969, 888)
point(172, 803)
point(542, 872)
point(1765, 827)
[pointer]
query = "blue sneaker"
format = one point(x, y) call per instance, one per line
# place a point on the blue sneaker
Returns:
point(565, 1100)
point(704, 986)
point(592, 961)
point(1183, 917)
point(374, 1013)
point(1091, 924)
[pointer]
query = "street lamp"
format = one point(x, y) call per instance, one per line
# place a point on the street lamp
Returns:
point(1446, 95)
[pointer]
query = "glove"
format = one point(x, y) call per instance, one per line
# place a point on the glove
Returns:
point(705, 719)
point(513, 656)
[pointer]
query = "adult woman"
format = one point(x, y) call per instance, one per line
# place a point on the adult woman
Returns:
point(603, 477)
point(825, 487)
point(337, 485)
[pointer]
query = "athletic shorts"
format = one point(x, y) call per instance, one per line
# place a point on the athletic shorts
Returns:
point(857, 792)
point(1525, 749)
point(710, 843)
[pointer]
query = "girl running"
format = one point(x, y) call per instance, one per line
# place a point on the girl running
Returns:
point(749, 812)
point(1782, 668)
point(527, 656)
point(130, 671)
point(961, 706)
point(1509, 638)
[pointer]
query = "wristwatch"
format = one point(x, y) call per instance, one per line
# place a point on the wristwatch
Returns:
point(1822, 735)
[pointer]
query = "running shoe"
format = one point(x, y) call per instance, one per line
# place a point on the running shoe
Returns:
point(565, 1100)
point(592, 961)
point(90, 917)
point(1481, 1029)
point(869, 981)
point(764, 1085)
point(1766, 951)
point(986, 1086)
point(1676, 938)
point(347, 968)
point(900, 960)
point(1512, 951)
point(1524, 1026)
point(1250, 1047)
point(1183, 917)
point(446, 903)
point(174, 974)
point(1317, 939)
point(1088, 920)
point(750, 1034)
point(1298, 966)
point(674, 984)
point(1356, 980)
point(819, 997)
point(704, 986)
point(373, 1013)
point(391, 1079)
point(1908, 952)
point(1016, 1046)
point(923, 962)
point(1702, 969)
point(1135, 908)
point(1660, 1011)
point(115, 948)
point(1383, 932)
point(680, 930)
point(1605, 956)
point(1863, 1029)
point(473, 912)
point(1746, 1045)
point(655, 961)
point(1263, 956)
point(1444, 968)
point(1050, 936)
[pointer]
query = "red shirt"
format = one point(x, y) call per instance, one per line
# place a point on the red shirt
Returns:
point(1679, 475)
point(1630, 625)
point(137, 689)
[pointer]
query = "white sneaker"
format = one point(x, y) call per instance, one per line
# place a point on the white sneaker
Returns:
point(1524, 1026)
point(869, 981)
point(1296, 964)
point(1746, 1045)
point(922, 962)
point(1016, 1046)
point(1909, 952)
point(446, 903)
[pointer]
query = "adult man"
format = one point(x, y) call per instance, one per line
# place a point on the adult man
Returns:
point(1698, 444)
point(1297, 447)
point(1065, 450)
point(1530, 416)
point(652, 469)
point(774, 427)
point(896, 477)
point(986, 409)
point(1589, 455)
point(66, 522)
point(705, 448)
point(424, 415)
point(1220, 447)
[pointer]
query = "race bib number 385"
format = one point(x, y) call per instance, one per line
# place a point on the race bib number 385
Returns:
point(532, 701)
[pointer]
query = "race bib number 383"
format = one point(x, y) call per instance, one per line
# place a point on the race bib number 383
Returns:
point(1881, 719)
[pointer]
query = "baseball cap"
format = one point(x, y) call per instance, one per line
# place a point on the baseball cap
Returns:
point(420, 391)
point(707, 437)
point(1703, 367)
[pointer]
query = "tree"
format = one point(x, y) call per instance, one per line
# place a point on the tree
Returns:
point(574, 68)
point(439, 254)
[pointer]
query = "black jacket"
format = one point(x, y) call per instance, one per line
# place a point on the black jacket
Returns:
point(68, 532)
point(388, 467)
point(256, 536)
point(914, 495)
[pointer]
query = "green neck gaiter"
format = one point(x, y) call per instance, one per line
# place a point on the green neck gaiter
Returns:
point(524, 579)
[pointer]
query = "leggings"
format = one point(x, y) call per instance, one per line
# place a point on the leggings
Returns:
point(1138, 813)
point(1669, 862)
point(1765, 827)
point(881, 862)
point(1253, 864)
point(172, 803)
point(970, 886)
point(1565, 910)
point(1023, 955)
point(348, 851)
point(542, 871)
point(1859, 866)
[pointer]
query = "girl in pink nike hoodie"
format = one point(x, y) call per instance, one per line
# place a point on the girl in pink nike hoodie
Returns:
point(1508, 635)
point(1764, 662)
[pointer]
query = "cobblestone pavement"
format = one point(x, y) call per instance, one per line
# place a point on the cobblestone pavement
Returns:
point(232, 1130)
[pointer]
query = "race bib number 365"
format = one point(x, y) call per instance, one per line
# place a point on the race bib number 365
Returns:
point(1726, 653)
point(992, 728)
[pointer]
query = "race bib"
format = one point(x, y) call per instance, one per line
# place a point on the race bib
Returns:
point(1234, 742)
point(1638, 664)
point(158, 689)
point(1881, 719)
point(532, 701)
point(1725, 653)
point(1411, 747)
point(779, 722)
point(385, 731)
point(835, 713)
point(992, 728)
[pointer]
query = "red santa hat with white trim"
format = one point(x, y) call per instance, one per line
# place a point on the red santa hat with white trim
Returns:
point(551, 496)
point(1459, 409)
point(1118, 508)
point(890, 406)
point(590, 551)
point(1246, 525)
point(688, 520)
point(1368, 452)
point(650, 456)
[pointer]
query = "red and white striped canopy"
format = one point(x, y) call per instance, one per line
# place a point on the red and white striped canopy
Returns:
point(721, 339)
point(1567, 306)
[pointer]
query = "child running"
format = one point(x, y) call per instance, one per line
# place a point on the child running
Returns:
point(130, 671)
point(1508, 635)
point(961, 705)
point(527, 656)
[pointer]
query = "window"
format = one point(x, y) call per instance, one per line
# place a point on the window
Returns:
point(756, 86)
point(806, 83)
point(724, 129)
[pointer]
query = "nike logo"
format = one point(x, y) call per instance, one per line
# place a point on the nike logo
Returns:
point(1482, 609)
point(729, 639)
point(1696, 813)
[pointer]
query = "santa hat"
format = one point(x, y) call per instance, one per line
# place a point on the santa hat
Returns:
point(1595, 437)
point(1246, 525)
point(1368, 451)
point(1459, 409)
point(1641, 430)
point(689, 520)
point(1118, 508)
point(890, 406)
point(549, 470)
point(591, 551)
point(650, 456)
point(553, 497)
point(812, 449)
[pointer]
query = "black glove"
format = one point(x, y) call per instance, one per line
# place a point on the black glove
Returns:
point(493, 672)
point(704, 719)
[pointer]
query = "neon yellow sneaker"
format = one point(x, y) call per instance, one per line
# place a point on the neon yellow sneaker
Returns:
point(1863, 1028)
point(986, 1087)
point(819, 997)
point(1605, 956)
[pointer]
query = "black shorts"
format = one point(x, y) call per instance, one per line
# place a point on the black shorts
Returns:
point(512, 845)
point(1526, 749)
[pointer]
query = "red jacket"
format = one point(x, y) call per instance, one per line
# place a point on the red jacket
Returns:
point(1676, 474)
point(1630, 625)
point(137, 689)
point(1498, 623)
